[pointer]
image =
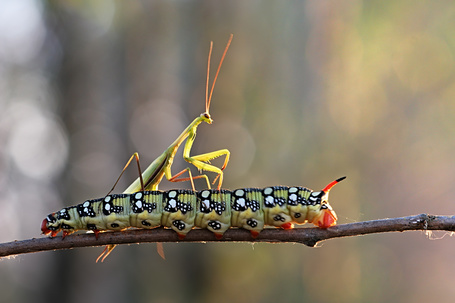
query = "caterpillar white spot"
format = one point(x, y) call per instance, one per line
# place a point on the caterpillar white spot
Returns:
point(181, 210)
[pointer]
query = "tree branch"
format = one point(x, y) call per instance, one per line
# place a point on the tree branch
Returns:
point(307, 236)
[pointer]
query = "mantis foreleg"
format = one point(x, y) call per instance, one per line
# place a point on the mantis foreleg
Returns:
point(201, 162)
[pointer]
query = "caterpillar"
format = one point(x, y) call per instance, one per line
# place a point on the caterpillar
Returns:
point(182, 209)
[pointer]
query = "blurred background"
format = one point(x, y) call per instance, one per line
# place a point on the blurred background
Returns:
point(310, 91)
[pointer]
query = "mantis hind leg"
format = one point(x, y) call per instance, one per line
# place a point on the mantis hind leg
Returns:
point(109, 248)
point(135, 155)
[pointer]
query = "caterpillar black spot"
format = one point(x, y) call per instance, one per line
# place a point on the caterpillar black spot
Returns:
point(182, 209)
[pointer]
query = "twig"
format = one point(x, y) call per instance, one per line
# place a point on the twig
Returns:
point(307, 236)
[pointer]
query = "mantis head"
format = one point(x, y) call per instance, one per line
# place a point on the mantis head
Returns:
point(205, 117)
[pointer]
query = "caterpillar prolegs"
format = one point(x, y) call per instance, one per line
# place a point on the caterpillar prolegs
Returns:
point(183, 209)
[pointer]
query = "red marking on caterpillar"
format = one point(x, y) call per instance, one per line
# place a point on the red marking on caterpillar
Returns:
point(288, 225)
point(329, 218)
point(332, 184)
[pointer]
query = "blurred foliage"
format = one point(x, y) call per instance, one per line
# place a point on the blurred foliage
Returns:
point(309, 91)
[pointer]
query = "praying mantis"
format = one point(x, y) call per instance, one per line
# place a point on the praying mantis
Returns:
point(142, 206)
point(161, 166)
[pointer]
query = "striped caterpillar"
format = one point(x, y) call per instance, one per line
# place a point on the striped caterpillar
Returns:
point(183, 209)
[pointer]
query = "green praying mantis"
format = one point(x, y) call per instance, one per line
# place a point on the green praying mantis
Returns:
point(142, 206)
point(161, 166)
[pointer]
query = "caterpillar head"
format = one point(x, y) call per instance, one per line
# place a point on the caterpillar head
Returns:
point(50, 225)
point(327, 216)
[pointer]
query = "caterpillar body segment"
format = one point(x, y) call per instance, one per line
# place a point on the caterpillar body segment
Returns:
point(146, 210)
point(213, 209)
point(247, 209)
point(179, 210)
